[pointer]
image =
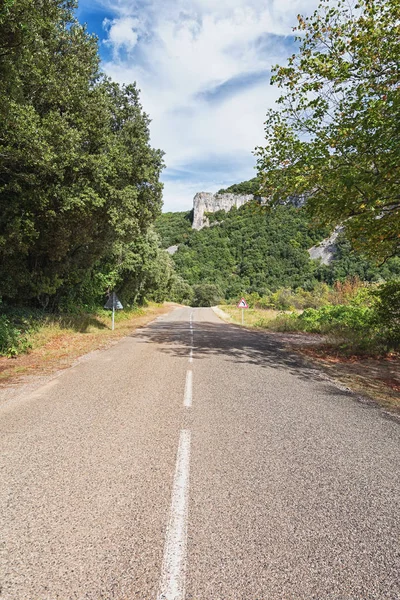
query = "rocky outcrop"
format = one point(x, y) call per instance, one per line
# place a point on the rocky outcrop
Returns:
point(297, 201)
point(204, 202)
point(326, 250)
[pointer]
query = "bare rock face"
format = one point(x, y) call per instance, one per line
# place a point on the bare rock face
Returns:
point(326, 250)
point(297, 201)
point(204, 202)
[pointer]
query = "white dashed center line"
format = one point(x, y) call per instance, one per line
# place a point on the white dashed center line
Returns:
point(191, 337)
point(187, 402)
point(173, 573)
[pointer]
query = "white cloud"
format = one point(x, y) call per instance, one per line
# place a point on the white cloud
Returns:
point(202, 67)
point(122, 33)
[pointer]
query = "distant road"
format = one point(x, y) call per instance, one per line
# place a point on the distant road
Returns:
point(197, 460)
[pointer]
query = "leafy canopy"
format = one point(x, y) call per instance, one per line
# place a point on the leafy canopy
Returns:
point(174, 227)
point(79, 181)
point(335, 135)
point(250, 249)
point(245, 187)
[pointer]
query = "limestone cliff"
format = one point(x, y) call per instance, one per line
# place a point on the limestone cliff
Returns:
point(326, 250)
point(204, 202)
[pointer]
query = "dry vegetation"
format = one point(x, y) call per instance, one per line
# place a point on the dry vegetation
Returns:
point(62, 340)
point(252, 316)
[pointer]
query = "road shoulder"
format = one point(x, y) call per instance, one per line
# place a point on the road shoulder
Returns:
point(28, 372)
point(372, 380)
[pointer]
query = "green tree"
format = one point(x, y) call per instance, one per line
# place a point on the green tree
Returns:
point(254, 250)
point(245, 187)
point(335, 136)
point(388, 312)
point(180, 290)
point(78, 177)
point(174, 227)
point(249, 250)
point(139, 270)
point(207, 294)
point(145, 271)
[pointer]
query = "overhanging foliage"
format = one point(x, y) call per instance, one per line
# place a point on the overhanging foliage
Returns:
point(336, 133)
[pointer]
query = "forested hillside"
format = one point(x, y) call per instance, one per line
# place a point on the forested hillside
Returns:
point(254, 249)
point(245, 187)
point(174, 227)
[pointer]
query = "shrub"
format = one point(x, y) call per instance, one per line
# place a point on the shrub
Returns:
point(366, 320)
point(282, 322)
point(264, 303)
point(253, 299)
point(346, 291)
point(13, 339)
point(288, 299)
point(337, 319)
point(283, 299)
point(207, 294)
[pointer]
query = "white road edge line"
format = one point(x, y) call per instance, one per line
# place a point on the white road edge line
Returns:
point(173, 573)
point(187, 402)
point(191, 355)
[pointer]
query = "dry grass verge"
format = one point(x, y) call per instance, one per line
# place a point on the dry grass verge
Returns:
point(251, 315)
point(62, 340)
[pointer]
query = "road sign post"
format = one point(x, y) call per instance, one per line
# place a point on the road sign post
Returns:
point(243, 304)
point(113, 304)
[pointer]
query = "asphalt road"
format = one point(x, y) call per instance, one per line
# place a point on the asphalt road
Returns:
point(196, 460)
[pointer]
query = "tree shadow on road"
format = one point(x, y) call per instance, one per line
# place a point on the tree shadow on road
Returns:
point(232, 343)
point(236, 344)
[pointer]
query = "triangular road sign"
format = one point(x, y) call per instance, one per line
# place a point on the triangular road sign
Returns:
point(243, 304)
point(113, 302)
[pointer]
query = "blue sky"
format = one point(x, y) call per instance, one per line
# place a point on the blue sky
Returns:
point(203, 68)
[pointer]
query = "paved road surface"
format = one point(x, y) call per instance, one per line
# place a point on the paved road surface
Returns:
point(197, 448)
